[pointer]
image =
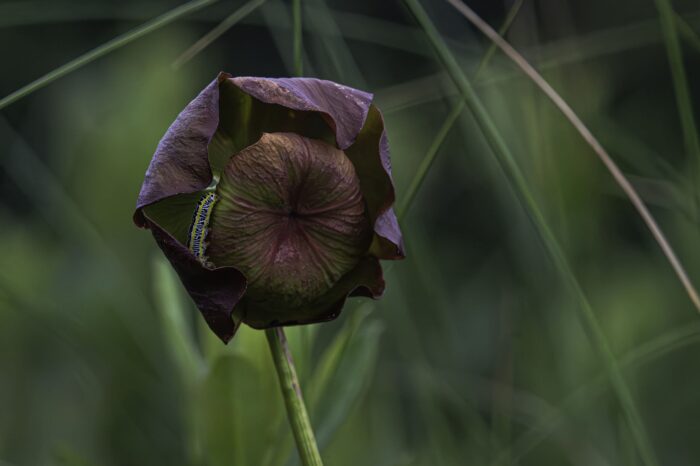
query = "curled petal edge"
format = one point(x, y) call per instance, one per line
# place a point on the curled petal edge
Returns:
point(344, 108)
point(370, 155)
point(387, 225)
point(180, 164)
point(366, 280)
point(216, 292)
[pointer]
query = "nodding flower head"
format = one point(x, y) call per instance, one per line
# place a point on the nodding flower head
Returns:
point(272, 199)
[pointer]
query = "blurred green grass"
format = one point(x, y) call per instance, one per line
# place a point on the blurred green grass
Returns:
point(474, 356)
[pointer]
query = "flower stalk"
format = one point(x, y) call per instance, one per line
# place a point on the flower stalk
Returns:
point(293, 399)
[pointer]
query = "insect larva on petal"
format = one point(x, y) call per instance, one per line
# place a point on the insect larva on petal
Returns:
point(200, 226)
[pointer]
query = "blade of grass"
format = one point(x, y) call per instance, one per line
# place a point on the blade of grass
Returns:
point(591, 140)
point(550, 56)
point(330, 40)
point(297, 38)
point(428, 160)
point(449, 122)
point(507, 23)
point(330, 360)
point(61, 211)
point(687, 32)
point(528, 409)
point(181, 343)
point(230, 21)
point(373, 31)
point(412, 347)
point(667, 18)
point(356, 367)
point(507, 162)
point(173, 312)
point(668, 342)
point(426, 163)
point(104, 49)
point(278, 18)
point(354, 26)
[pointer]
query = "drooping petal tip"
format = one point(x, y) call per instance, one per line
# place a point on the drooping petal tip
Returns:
point(214, 291)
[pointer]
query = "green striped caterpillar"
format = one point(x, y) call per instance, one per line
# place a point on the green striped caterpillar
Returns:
point(200, 226)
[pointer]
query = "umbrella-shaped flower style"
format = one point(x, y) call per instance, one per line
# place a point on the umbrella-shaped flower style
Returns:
point(272, 199)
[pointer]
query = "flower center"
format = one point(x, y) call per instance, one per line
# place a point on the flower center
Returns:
point(291, 218)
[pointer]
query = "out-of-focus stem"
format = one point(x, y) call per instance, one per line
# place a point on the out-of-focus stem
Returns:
point(298, 51)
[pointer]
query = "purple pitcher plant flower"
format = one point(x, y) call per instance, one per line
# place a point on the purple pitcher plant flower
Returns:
point(272, 199)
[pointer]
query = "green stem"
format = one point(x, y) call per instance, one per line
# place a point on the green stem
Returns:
point(297, 41)
point(291, 392)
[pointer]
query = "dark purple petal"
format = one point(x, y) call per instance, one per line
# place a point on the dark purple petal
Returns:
point(345, 107)
point(309, 107)
point(372, 286)
point(370, 156)
point(215, 291)
point(387, 225)
point(391, 245)
point(366, 279)
point(180, 163)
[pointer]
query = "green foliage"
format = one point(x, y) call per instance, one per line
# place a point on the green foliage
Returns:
point(236, 392)
point(474, 356)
